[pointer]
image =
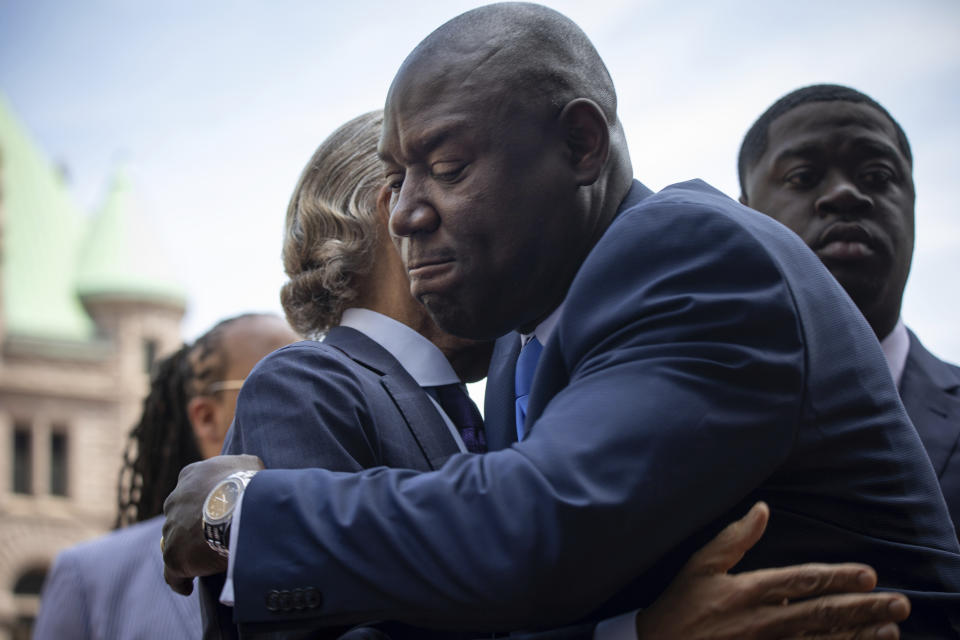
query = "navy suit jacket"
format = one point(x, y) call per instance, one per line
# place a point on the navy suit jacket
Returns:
point(343, 404)
point(930, 389)
point(112, 588)
point(704, 359)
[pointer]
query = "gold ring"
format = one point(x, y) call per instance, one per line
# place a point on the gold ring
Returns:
point(161, 544)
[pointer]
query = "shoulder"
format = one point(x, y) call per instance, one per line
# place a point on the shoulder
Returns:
point(90, 568)
point(107, 548)
point(694, 216)
point(689, 246)
point(940, 372)
point(295, 384)
point(317, 365)
point(303, 351)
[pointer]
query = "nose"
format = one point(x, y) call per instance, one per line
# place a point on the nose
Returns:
point(411, 210)
point(842, 195)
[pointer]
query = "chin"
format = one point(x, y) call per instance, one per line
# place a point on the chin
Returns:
point(865, 292)
point(459, 319)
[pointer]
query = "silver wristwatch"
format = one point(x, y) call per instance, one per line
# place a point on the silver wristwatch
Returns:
point(218, 510)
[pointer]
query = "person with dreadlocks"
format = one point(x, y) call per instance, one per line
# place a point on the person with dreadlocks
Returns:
point(112, 587)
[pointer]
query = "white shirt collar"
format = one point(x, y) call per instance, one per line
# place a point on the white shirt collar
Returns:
point(895, 347)
point(425, 363)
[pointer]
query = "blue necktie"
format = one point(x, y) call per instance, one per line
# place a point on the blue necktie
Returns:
point(526, 365)
point(464, 415)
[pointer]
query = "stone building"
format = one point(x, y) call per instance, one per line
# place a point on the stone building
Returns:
point(86, 305)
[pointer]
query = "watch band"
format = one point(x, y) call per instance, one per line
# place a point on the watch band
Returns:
point(217, 534)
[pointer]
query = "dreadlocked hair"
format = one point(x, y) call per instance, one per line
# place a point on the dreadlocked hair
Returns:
point(162, 442)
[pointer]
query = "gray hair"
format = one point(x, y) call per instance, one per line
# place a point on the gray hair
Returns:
point(331, 226)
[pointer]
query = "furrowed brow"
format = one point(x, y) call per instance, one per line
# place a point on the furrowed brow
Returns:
point(420, 145)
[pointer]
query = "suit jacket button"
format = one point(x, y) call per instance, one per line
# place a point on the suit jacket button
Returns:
point(311, 597)
point(298, 599)
point(286, 600)
point(273, 600)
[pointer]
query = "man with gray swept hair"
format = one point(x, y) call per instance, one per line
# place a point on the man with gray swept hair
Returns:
point(678, 365)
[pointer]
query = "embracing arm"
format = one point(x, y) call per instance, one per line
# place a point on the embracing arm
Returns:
point(631, 454)
point(638, 405)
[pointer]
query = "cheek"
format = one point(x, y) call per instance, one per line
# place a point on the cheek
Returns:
point(798, 223)
point(797, 214)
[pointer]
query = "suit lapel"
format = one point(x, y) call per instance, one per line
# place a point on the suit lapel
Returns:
point(930, 391)
point(498, 403)
point(420, 415)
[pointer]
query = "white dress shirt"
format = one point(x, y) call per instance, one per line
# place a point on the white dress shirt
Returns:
point(895, 347)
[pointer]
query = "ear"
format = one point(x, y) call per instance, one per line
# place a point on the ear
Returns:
point(383, 204)
point(202, 411)
point(587, 136)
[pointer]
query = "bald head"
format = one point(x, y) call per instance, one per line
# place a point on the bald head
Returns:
point(527, 53)
point(507, 162)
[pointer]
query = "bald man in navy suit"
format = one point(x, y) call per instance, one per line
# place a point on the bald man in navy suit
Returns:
point(687, 370)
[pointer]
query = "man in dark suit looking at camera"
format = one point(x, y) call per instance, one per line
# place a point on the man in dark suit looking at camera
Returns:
point(832, 164)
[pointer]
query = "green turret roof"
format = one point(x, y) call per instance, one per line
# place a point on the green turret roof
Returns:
point(41, 229)
point(50, 256)
point(120, 257)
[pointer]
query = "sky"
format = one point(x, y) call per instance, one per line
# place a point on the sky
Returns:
point(214, 107)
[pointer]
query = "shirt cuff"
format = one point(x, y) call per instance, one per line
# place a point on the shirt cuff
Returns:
point(226, 595)
point(622, 627)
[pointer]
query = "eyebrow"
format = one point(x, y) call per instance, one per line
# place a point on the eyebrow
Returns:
point(860, 145)
point(880, 148)
point(430, 139)
point(804, 150)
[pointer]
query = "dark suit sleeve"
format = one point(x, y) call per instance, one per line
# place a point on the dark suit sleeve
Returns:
point(669, 393)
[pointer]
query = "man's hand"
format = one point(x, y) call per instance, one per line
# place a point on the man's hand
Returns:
point(704, 601)
point(186, 553)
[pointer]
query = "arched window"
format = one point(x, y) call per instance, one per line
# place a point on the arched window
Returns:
point(30, 582)
point(26, 598)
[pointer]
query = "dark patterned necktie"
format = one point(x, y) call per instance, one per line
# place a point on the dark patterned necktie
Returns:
point(523, 380)
point(464, 415)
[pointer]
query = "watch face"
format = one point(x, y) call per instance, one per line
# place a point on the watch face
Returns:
point(221, 501)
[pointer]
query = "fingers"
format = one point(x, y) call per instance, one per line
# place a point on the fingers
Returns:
point(248, 461)
point(183, 586)
point(881, 632)
point(728, 547)
point(863, 615)
point(806, 581)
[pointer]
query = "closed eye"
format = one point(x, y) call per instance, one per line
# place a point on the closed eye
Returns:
point(394, 181)
point(447, 171)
